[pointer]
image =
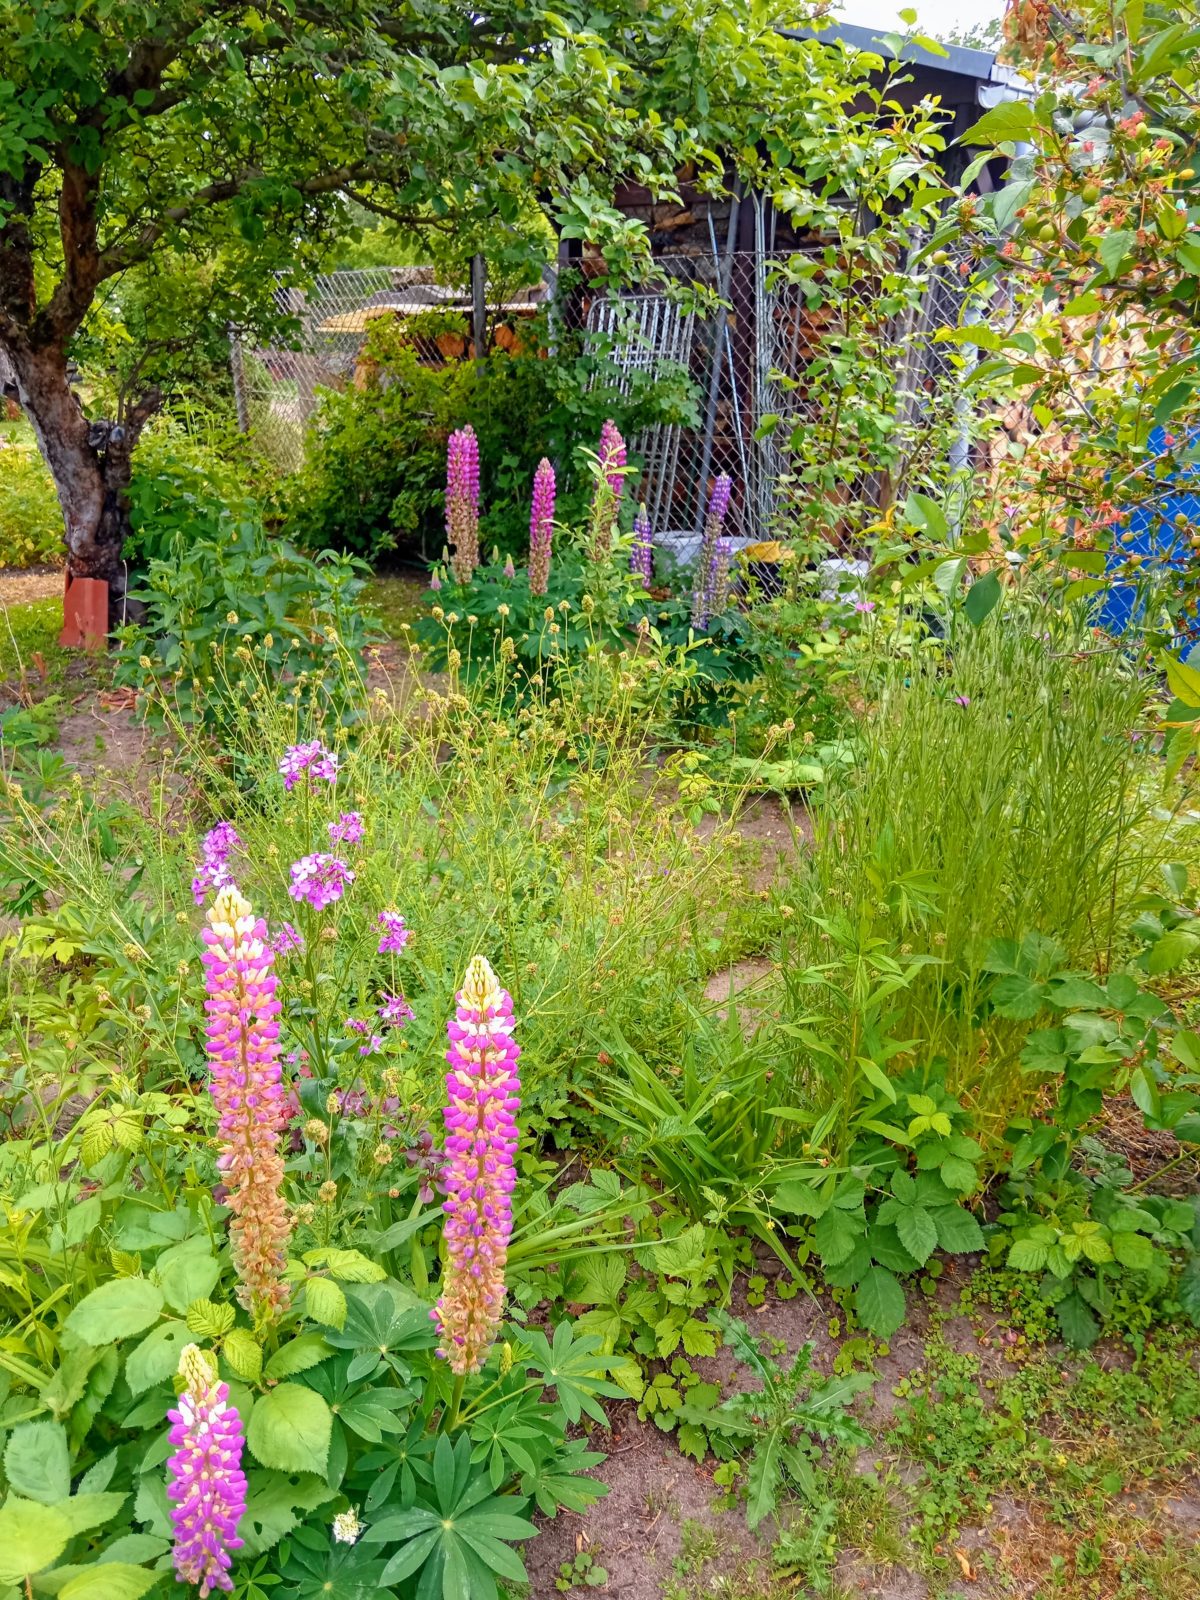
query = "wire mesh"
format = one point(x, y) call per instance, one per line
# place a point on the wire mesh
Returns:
point(739, 324)
point(278, 387)
point(743, 328)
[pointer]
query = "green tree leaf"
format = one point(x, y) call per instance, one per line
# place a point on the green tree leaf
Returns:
point(115, 1580)
point(37, 1462)
point(31, 1537)
point(187, 1272)
point(297, 1355)
point(1133, 1250)
point(1079, 1327)
point(325, 1302)
point(1011, 122)
point(879, 1302)
point(157, 1357)
point(1114, 247)
point(918, 1231)
point(836, 1234)
point(116, 1310)
point(289, 1429)
point(982, 597)
point(957, 1230)
point(243, 1354)
point(275, 1503)
point(1028, 1255)
point(84, 1511)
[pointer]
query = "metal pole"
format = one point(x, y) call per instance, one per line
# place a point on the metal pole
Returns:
point(959, 463)
point(237, 367)
point(725, 272)
point(478, 306)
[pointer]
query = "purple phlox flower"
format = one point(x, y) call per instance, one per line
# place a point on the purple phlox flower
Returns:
point(348, 829)
point(311, 758)
point(541, 527)
point(288, 940)
point(962, 699)
point(395, 1011)
point(320, 880)
point(864, 605)
point(353, 1102)
point(205, 1482)
point(372, 1046)
point(357, 1025)
point(395, 935)
point(429, 1161)
point(641, 556)
point(216, 847)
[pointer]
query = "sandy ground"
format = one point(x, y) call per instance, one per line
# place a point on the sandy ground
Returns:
point(20, 587)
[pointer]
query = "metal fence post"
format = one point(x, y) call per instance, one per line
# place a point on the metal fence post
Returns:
point(237, 368)
point(725, 271)
point(478, 307)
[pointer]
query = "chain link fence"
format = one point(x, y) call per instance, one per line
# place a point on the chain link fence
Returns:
point(743, 326)
point(739, 324)
point(277, 388)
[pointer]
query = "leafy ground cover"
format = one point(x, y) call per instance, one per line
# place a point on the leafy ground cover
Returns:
point(961, 1451)
point(599, 1076)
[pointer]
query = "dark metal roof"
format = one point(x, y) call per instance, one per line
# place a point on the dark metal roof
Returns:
point(958, 60)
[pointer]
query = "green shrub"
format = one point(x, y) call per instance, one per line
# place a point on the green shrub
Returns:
point(186, 469)
point(31, 524)
point(374, 477)
point(229, 609)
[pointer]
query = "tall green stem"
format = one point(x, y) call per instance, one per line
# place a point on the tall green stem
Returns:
point(455, 1403)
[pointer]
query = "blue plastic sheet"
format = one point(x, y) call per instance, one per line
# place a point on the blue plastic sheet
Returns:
point(1122, 607)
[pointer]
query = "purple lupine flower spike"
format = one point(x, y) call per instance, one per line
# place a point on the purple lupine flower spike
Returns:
point(483, 1097)
point(706, 571)
point(541, 527)
point(206, 1483)
point(462, 501)
point(641, 557)
point(719, 577)
point(613, 457)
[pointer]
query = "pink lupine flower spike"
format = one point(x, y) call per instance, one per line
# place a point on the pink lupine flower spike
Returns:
point(483, 1091)
point(244, 1080)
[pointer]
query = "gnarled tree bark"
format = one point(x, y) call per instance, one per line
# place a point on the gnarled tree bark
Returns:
point(90, 462)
